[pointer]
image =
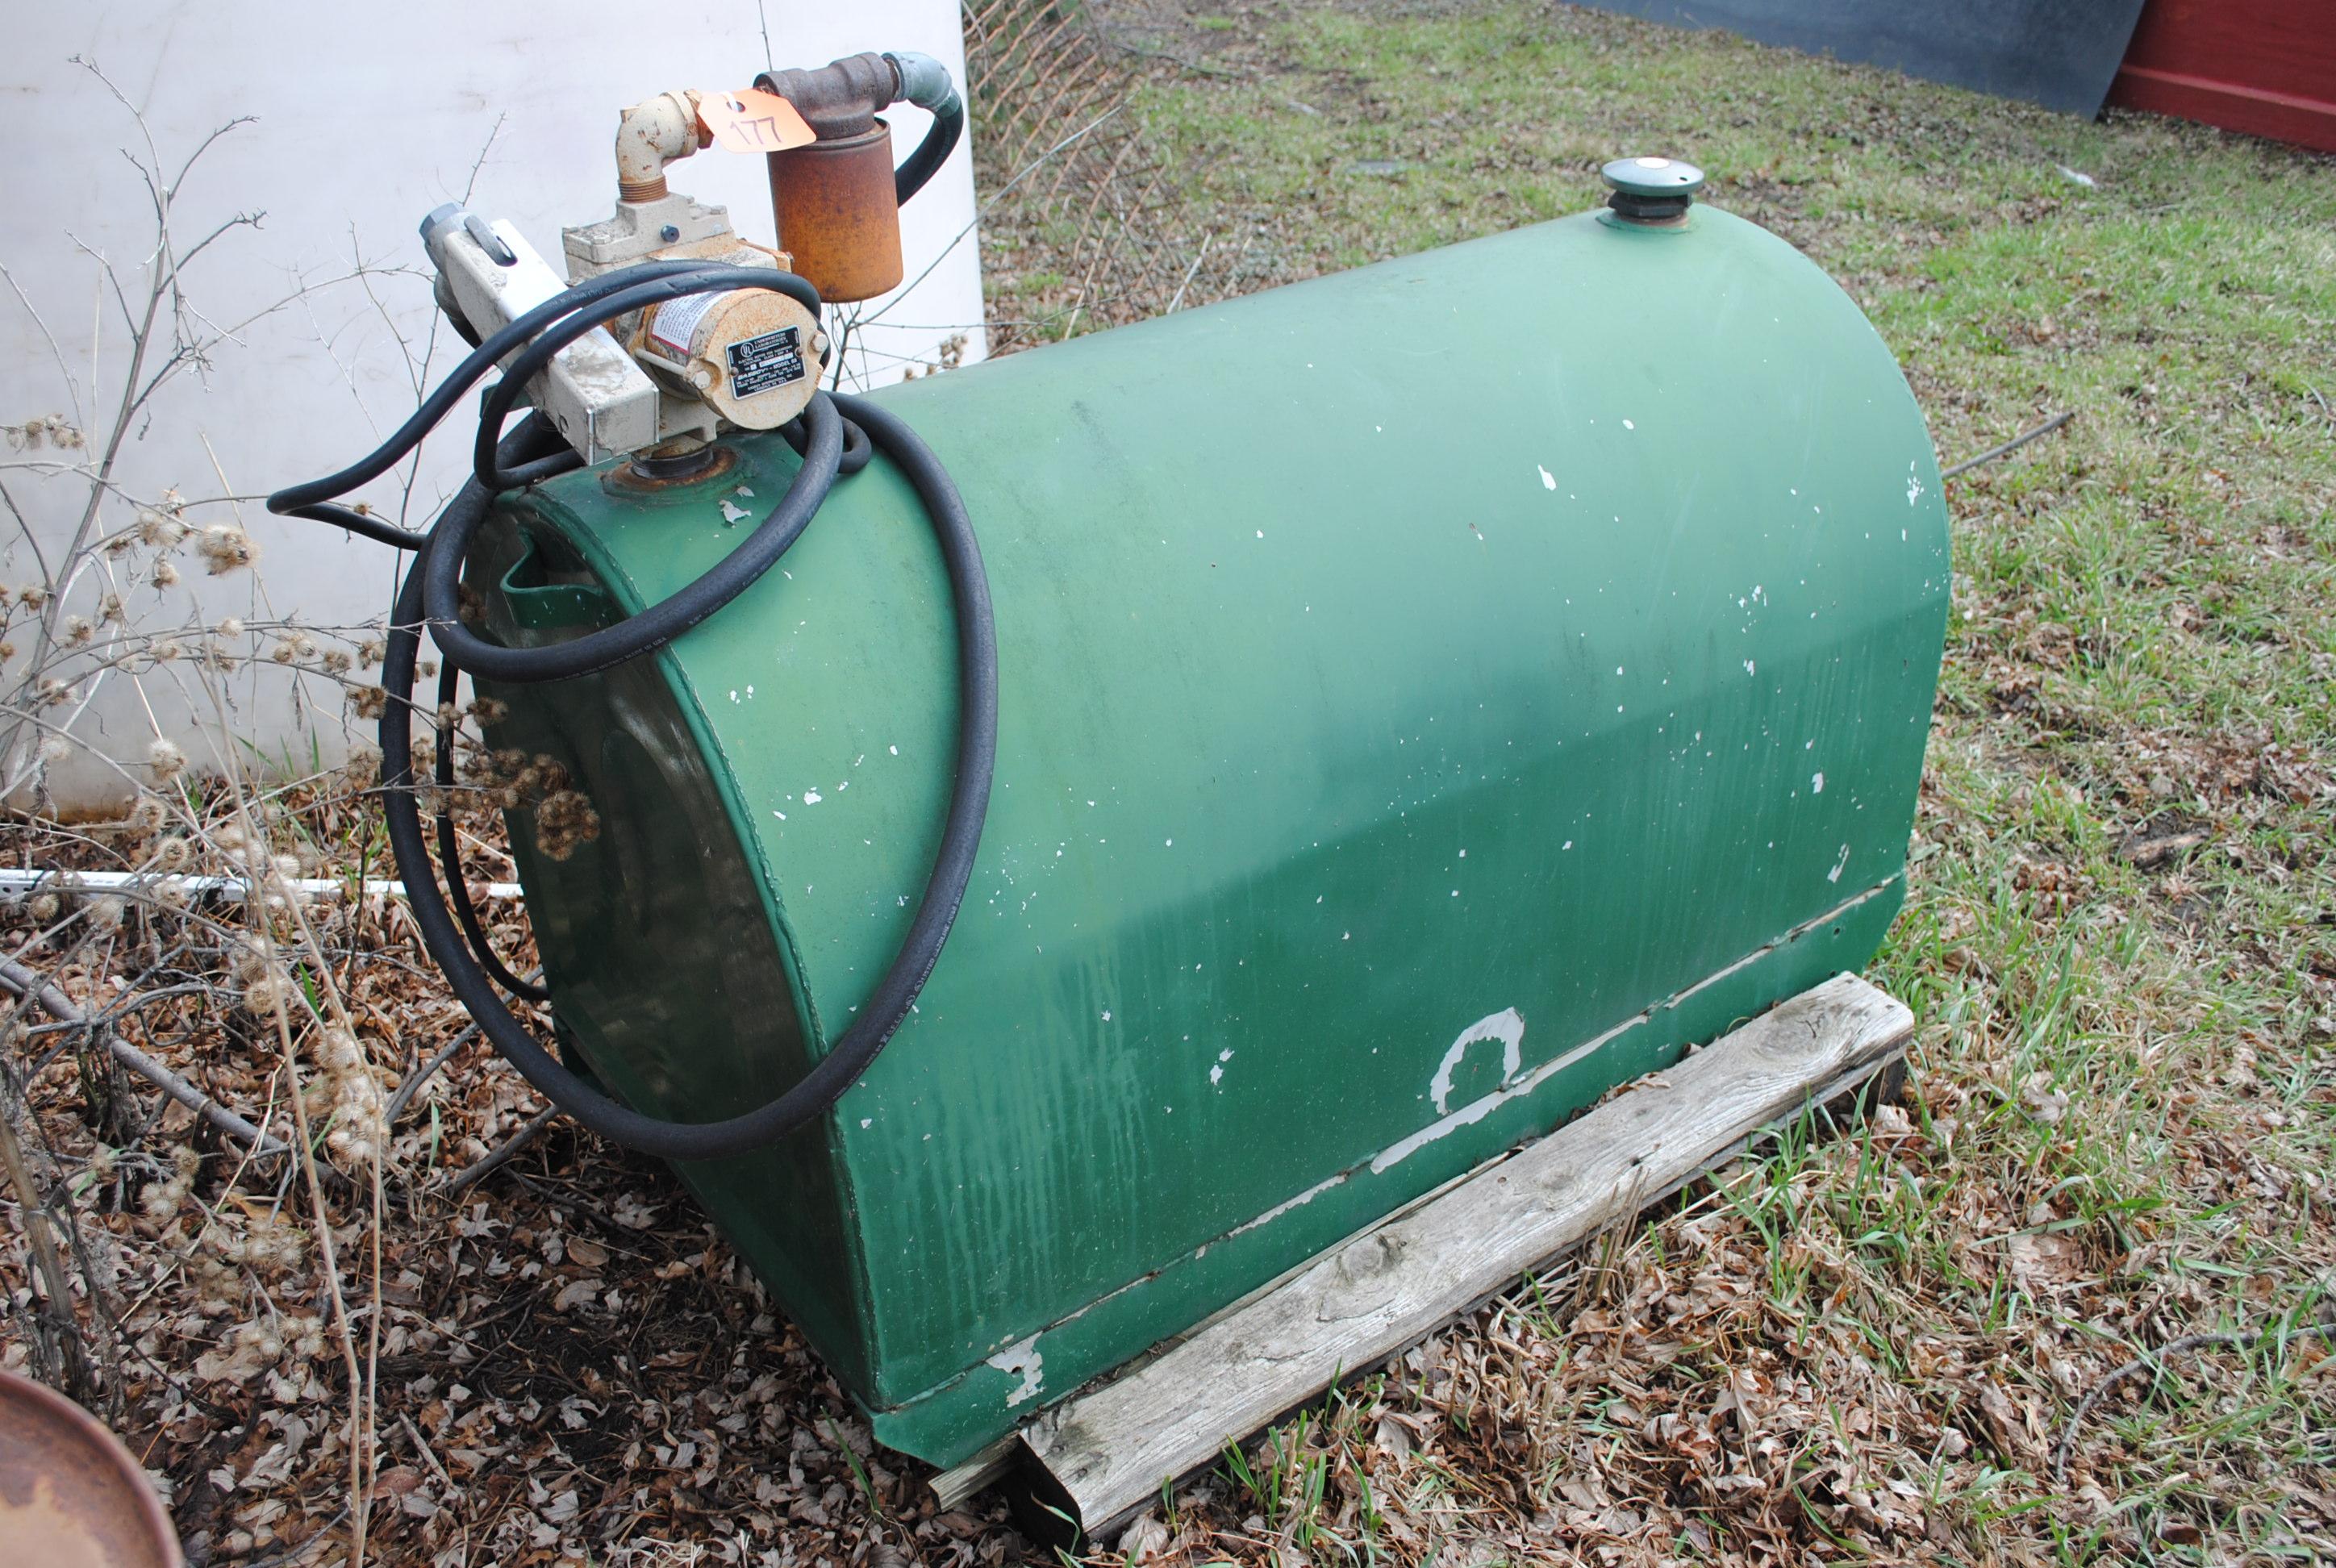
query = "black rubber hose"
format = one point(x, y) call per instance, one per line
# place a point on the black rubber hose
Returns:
point(939, 141)
point(440, 572)
point(450, 851)
point(856, 450)
point(312, 500)
point(533, 452)
point(544, 454)
point(881, 1016)
point(537, 441)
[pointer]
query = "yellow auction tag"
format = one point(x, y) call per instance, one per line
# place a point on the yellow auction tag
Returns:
point(749, 119)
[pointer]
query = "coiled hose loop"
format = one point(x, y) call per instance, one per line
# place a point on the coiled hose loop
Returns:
point(837, 433)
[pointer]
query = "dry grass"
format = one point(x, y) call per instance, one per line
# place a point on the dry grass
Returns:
point(568, 1363)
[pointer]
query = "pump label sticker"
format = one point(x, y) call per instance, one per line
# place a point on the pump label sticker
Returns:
point(760, 363)
point(676, 321)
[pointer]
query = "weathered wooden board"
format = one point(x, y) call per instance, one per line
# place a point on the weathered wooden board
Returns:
point(1110, 1447)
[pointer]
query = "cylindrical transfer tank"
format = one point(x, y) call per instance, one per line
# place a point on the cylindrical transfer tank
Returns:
point(1430, 695)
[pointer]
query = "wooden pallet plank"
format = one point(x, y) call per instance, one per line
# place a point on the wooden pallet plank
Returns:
point(1110, 1447)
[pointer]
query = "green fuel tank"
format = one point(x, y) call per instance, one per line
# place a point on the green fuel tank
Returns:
point(1430, 695)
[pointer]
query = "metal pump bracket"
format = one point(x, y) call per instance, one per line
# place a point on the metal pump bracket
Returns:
point(602, 404)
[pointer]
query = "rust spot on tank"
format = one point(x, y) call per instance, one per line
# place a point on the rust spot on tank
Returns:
point(645, 473)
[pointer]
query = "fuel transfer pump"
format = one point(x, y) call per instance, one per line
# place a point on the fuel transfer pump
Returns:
point(1382, 714)
point(672, 331)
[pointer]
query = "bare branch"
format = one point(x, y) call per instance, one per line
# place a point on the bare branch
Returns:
point(56, 352)
point(20, 982)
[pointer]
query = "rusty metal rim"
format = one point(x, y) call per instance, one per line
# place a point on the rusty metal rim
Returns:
point(628, 478)
point(136, 1489)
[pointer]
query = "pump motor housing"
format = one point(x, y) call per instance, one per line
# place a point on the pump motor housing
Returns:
point(1429, 697)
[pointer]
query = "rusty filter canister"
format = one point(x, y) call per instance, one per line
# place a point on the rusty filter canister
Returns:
point(837, 213)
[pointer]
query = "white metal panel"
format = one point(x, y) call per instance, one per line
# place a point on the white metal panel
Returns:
point(365, 118)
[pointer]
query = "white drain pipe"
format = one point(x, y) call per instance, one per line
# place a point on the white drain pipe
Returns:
point(15, 883)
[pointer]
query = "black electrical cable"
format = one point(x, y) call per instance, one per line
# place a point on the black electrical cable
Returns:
point(541, 444)
point(430, 592)
point(312, 500)
point(614, 293)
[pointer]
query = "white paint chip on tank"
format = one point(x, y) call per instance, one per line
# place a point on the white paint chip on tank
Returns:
point(1506, 1026)
point(1022, 1361)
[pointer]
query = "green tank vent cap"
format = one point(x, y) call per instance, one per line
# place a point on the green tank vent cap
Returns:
point(1652, 189)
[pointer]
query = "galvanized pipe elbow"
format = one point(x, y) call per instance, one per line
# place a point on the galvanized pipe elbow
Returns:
point(649, 135)
point(922, 80)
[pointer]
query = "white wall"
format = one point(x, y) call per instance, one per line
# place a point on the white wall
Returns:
point(365, 118)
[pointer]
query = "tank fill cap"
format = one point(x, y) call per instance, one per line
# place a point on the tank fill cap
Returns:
point(1652, 189)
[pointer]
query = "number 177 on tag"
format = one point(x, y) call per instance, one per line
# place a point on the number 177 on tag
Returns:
point(750, 120)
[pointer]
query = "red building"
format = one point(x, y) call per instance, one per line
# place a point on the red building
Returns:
point(2264, 67)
